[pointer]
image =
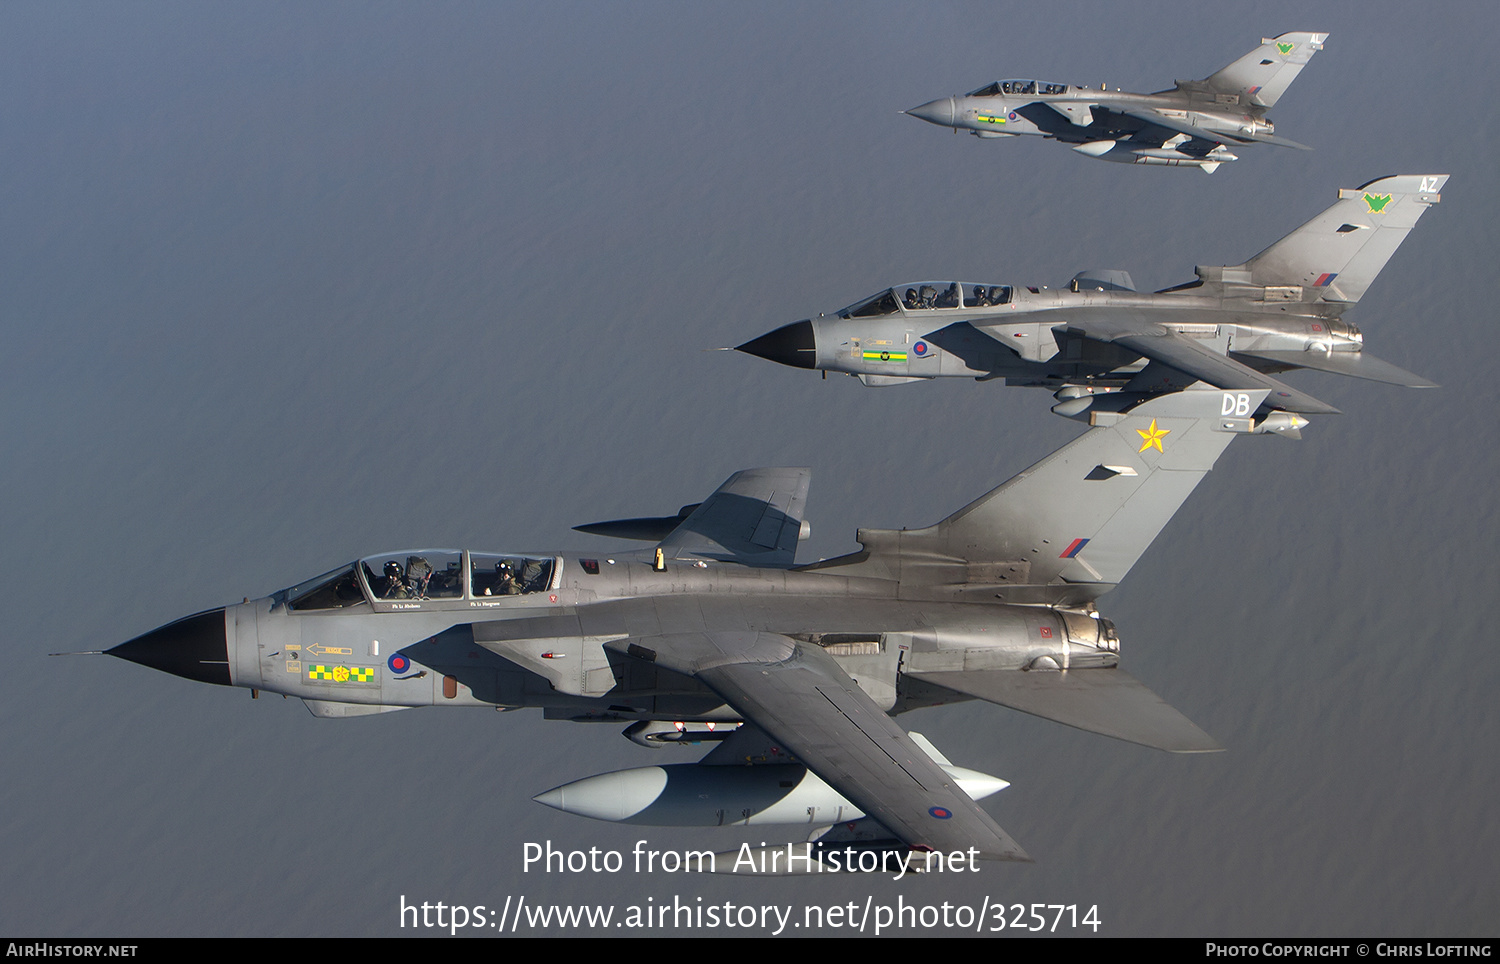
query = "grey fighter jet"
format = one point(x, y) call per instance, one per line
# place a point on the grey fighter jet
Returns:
point(716, 634)
point(1195, 124)
point(1232, 327)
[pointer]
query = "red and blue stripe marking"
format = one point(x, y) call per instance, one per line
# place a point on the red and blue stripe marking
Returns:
point(1074, 548)
point(1325, 279)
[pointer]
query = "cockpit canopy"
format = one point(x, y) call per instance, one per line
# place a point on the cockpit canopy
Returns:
point(1019, 87)
point(929, 295)
point(418, 576)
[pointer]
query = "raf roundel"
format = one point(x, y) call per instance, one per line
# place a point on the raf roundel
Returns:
point(920, 349)
point(942, 813)
point(398, 663)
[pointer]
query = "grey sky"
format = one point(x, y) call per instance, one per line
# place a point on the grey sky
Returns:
point(287, 284)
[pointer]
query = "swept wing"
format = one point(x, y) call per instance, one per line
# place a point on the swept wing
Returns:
point(1186, 355)
point(1183, 126)
point(798, 695)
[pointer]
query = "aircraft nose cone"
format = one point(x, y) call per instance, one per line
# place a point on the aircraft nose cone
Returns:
point(940, 112)
point(795, 345)
point(196, 647)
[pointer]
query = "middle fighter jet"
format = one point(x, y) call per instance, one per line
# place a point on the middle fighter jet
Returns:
point(1232, 327)
point(1193, 125)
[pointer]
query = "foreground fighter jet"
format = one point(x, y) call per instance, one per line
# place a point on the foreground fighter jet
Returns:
point(716, 626)
point(1192, 125)
point(1231, 327)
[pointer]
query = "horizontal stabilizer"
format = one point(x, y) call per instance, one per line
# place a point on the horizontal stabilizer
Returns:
point(1110, 702)
point(1357, 364)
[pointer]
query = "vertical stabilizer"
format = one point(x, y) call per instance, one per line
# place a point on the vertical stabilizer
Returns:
point(1085, 513)
point(1338, 253)
point(1260, 77)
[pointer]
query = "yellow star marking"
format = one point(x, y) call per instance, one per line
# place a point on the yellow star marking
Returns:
point(341, 674)
point(1151, 437)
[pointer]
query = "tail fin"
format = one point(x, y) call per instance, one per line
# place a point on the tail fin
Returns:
point(1337, 254)
point(1069, 528)
point(1260, 77)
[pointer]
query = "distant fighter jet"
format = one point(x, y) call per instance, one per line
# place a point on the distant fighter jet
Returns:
point(715, 635)
point(1194, 124)
point(1232, 327)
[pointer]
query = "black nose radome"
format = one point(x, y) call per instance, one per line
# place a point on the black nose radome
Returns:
point(196, 647)
point(793, 345)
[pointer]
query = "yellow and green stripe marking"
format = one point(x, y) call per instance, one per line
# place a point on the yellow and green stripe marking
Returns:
point(342, 674)
point(989, 119)
point(886, 356)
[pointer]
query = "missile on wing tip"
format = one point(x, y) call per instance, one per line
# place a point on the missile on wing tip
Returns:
point(698, 795)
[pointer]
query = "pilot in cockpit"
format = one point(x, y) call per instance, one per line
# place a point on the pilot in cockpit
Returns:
point(507, 584)
point(395, 581)
point(418, 575)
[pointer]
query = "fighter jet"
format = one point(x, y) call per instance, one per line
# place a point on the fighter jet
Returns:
point(1231, 327)
point(716, 634)
point(1195, 124)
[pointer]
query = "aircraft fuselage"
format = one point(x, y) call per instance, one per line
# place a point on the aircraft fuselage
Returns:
point(552, 647)
point(1025, 341)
